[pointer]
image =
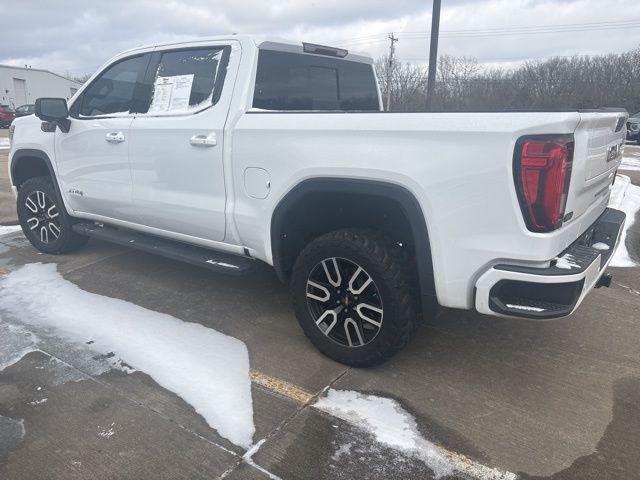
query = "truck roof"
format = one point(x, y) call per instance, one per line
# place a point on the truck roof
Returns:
point(260, 41)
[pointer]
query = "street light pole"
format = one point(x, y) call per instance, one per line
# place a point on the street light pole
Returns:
point(433, 53)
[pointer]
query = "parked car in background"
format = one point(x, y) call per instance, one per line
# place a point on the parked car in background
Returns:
point(633, 128)
point(24, 110)
point(7, 114)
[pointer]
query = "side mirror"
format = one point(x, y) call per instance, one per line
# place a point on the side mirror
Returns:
point(54, 111)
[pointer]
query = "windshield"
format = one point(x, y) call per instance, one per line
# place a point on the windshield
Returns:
point(6, 108)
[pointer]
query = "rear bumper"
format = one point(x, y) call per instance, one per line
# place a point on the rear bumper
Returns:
point(557, 290)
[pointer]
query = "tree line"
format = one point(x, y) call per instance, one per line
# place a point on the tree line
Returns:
point(462, 84)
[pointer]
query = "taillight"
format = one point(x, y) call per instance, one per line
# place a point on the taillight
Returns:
point(542, 171)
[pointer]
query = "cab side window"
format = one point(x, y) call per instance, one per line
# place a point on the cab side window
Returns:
point(188, 80)
point(114, 91)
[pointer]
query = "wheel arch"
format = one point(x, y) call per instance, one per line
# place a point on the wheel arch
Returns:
point(28, 163)
point(396, 197)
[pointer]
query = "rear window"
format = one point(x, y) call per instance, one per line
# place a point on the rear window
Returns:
point(7, 108)
point(292, 81)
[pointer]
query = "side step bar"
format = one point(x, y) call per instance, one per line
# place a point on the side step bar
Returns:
point(201, 257)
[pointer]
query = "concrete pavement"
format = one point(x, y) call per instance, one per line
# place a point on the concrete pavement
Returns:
point(556, 400)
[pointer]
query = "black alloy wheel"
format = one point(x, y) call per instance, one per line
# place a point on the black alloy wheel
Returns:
point(345, 302)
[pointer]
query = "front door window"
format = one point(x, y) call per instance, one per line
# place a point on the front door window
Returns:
point(115, 89)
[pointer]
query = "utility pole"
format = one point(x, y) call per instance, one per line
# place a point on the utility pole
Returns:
point(433, 52)
point(392, 50)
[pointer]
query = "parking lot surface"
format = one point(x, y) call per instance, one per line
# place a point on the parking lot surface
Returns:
point(521, 399)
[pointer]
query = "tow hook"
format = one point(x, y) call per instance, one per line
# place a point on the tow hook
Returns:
point(604, 280)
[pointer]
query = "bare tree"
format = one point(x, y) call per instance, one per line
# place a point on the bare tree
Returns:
point(79, 78)
point(556, 83)
point(408, 83)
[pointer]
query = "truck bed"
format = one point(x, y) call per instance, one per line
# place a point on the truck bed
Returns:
point(459, 166)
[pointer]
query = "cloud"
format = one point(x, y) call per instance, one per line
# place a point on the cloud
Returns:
point(78, 36)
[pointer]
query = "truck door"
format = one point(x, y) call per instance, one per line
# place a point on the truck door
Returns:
point(92, 157)
point(176, 146)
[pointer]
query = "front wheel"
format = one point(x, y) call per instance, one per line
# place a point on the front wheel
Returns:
point(353, 296)
point(44, 220)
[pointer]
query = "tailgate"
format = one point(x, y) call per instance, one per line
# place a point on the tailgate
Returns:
point(599, 138)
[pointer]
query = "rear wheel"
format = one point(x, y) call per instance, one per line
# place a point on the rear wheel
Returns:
point(353, 296)
point(44, 220)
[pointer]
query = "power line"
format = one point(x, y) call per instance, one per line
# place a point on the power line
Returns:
point(532, 32)
point(500, 31)
point(535, 27)
point(514, 59)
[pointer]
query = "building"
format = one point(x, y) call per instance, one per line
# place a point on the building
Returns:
point(19, 85)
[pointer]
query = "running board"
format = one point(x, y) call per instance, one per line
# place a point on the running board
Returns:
point(201, 257)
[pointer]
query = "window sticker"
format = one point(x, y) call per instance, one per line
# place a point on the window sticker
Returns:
point(171, 93)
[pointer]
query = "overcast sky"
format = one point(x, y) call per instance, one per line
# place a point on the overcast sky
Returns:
point(77, 36)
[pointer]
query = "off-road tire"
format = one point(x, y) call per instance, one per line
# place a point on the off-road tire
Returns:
point(29, 197)
point(386, 264)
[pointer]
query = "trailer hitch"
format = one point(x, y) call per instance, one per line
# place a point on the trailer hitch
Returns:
point(604, 280)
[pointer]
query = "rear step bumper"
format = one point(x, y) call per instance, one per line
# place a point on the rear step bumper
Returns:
point(557, 290)
point(201, 257)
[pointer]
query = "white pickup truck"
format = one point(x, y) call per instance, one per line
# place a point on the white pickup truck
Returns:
point(226, 151)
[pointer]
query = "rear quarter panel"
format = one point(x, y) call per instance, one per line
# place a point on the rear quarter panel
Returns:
point(457, 165)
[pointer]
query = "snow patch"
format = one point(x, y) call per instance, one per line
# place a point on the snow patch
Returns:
point(567, 261)
point(344, 449)
point(618, 189)
point(600, 246)
point(393, 427)
point(630, 163)
point(107, 432)
point(7, 229)
point(4, 144)
point(626, 197)
point(208, 369)
point(35, 403)
point(15, 343)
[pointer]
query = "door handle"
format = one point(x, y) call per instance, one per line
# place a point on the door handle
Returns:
point(204, 140)
point(115, 137)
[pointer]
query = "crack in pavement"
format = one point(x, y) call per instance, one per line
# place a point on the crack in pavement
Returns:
point(629, 289)
point(285, 422)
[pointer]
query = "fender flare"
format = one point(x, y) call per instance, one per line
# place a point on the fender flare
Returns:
point(32, 153)
point(407, 201)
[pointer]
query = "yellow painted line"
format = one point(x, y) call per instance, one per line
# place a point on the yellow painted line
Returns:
point(281, 387)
